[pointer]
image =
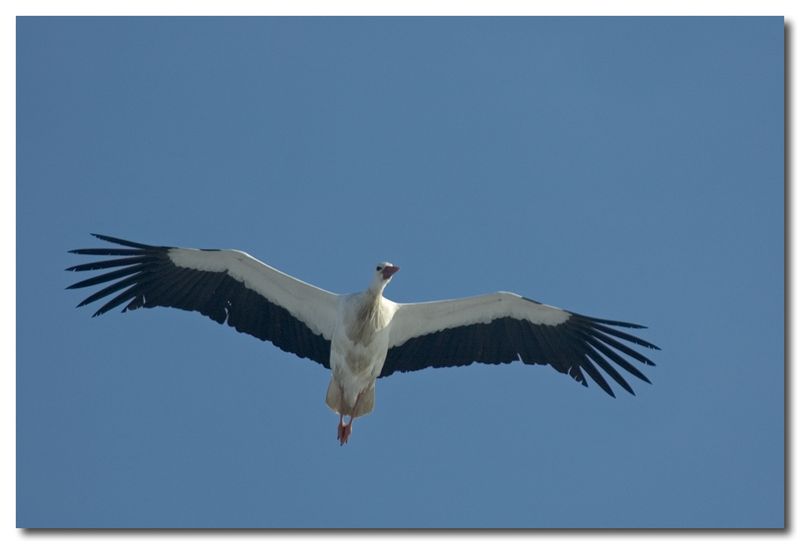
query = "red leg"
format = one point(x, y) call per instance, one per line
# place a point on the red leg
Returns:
point(345, 430)
point(344, 433)
point(340, 433)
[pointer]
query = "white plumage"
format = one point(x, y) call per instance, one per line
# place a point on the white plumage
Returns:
point(363, 336)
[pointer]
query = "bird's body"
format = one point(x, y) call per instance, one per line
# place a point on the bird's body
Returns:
point(363, 336)
point(358, 349)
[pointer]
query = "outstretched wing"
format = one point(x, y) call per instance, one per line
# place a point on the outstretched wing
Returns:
point(505, 327)
point(229, 286)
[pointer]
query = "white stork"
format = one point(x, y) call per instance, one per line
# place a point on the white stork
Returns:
point(363, 336)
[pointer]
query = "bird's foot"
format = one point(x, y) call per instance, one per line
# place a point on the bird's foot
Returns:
point(344, 432)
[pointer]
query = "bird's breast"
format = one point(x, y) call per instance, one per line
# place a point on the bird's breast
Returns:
point(359, 358)
point(361, 340)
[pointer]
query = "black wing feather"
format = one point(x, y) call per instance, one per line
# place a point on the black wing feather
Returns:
point(146, 277)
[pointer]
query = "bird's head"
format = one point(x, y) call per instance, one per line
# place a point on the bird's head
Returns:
point(383, 275)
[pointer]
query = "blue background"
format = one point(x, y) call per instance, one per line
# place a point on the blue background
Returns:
point(626, 168)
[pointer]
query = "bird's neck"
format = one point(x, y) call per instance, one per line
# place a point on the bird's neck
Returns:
point(367, 318)
point(375, 290)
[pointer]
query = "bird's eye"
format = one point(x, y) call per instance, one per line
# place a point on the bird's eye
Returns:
point(378, 268)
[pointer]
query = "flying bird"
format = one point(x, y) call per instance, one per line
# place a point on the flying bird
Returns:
point(362, 336)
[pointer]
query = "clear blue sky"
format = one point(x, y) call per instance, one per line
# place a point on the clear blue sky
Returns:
point(626, 168)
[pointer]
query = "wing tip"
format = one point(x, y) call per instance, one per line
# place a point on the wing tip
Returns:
point(626, 386)
point(612, 322)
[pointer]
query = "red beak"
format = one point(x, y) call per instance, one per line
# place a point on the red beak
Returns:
point(388, 271)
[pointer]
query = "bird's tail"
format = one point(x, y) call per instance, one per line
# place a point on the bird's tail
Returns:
point(336, 401)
